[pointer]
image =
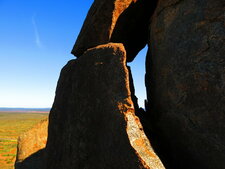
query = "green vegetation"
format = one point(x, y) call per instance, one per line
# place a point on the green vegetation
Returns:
point(11, 126)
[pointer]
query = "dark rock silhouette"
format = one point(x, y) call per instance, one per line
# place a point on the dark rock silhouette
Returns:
point(185, 83)
point(92, 122)
point(34, 161)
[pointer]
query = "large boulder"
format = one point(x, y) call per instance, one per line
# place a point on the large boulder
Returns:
point(92, 123)
point(30, 146)
point(185, 83)
point(121, 21)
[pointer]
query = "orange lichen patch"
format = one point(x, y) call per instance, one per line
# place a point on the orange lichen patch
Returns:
point(138, 142)
point(44, 142)
point(126, 106)
point(200, 24)
point(142, 144)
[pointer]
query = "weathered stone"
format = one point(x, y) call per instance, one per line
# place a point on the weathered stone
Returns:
point(92, 123)
point(186, 83)
point(30, 145)
point(121, 21)
point(99, 24)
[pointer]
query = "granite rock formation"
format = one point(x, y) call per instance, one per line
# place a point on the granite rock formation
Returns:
point(92, 122)
point(30, 146)
point(120, 21)
point(186, 83)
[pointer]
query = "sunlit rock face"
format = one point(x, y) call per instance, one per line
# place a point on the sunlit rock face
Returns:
point(186, 83)
point(89, 122)
point(121, 21)
point(30, 145)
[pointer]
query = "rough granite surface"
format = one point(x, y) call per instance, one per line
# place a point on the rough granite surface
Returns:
point(186, 83)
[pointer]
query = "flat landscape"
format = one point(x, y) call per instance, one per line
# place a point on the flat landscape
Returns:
point(12, 124)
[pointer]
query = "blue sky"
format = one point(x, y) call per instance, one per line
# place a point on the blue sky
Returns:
point(36, 38)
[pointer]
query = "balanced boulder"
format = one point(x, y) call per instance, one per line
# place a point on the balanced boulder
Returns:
point(120, 21)
point(99, 24)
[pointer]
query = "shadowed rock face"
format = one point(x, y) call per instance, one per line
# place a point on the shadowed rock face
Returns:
point(186, 83)
point(34, 161)
point(88, 123)
point(121, 21)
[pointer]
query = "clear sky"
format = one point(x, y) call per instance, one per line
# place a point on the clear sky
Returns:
point(36, 38)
